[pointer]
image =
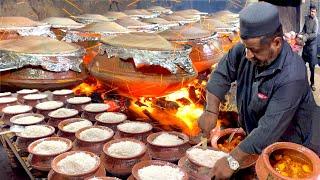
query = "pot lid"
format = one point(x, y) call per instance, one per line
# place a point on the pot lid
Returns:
point(89, 18)
point(132, 23)
point(61, 22)
point(104, 27)
point(12, 23)
point(185, 33)
point(160, 21)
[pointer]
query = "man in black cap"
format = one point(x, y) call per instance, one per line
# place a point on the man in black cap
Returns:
point(309, 34)
point(274, 100)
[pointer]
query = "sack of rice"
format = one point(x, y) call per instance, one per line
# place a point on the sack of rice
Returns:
point(96, 107)
point(125, 149)
point(111, 117)
point(79, 100)
point(95, 134)
point(49, 105)
point(160, 172)
point(17, 109)
point(134, 127)
point(77, 163)
point(36, 131)
point(62, 92)
point(25, 120)
point(75, 126)
point(206, 158)
point(48, 147)
point(166, 139)
point(35, 96)
point(63, 112)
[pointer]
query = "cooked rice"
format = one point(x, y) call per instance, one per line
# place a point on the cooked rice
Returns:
point(134, 127)
point(95, 134)
point(62, 92)
point(36, 131)
point(27, 91)
point(206, 157)
point(79, 100)
point(49, 105)
point(35, 96)
point(7, 99)
point(5, 94)
point(111, 117)
point(77, 163)
point(75, 126)
point(63, 112)
point(50, 147)
point(17, 109)
point(27, 120)
point(166, 139)
point(158, 172)
point(125, 149)
point(96, 107)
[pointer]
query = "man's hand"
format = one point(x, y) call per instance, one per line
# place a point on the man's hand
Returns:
point(207, 122)
point(221, 169)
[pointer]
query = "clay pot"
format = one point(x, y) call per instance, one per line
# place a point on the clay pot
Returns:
point(168, 153)
point(33, 101)
point(61, 175)
point(141, 136)
point(103, 178)
point(62, 96)
point(46, 111)
point(77, 106)
point(265, 170)
point(6, 116)
point(41, 121)
point(90, 115)
point(23, 142)
point(42, 162)
point(54, 121)
point(68, 134)
point(91, 146)
point(143, 164)
point(7, 101)
point(111, 125)
point(24, 92)
point(122, 166)
point(192, 170)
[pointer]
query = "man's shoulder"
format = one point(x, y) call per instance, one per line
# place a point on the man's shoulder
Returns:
point(294, 67)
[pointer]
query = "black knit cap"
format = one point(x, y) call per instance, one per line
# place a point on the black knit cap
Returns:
point(259, 19)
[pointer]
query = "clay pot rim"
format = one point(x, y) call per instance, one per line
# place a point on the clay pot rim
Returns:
point(152, 136)
point(45, 96)
point(54, 163)
point(24, 115)
point(77, 103)
point(143, 164)
point(13, 99)
point(108, 144)
point(33, 144)
point(39, 137)
point(60, 106)
point(69, 121)
point(15, 113)
point(114, 123)
point(83, 107)
point(143, 132)
point(103, 178)
point(224, 132)
point(194, 161)
point(76, 112)
point(98, 141)
point(313, 157)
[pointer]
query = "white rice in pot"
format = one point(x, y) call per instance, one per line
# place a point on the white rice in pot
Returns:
point(7, 100)
point(36, 131)
point(27, 91)
point(96, 107)
point(160, 172)
point(27, 120)
point(77, 163)
point(134, 127)
point(63, 112)
point(111, 117)
point(35, 96)
point(206, 157)
point(17, 109)
point(75, 126)
point(62, 92)
point(166, 139)
point(50, 147)
point(49, 105)
point(79, 100)
point(5, 94)
point(95, 134)
point(125, 149)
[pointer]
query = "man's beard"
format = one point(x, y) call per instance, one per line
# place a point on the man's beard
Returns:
point(261, 63)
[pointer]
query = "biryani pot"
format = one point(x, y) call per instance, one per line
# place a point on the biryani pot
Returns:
point(7, 116)
point(77, 106)
point(34, 102)
point(122, 166)
point(143, 164)
point(142, 136)
point(91, 146)
point(45, 112)
point(54, 121)
point(62, 97)
point(110, 125)
point(67, 134)
point(264, 169)
point(168, 153)
point(24, 115)
point(5, 104)
point(20, 96)
point(23, 142)
point(81, 176)
point(193, 171)
point(43, 162)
